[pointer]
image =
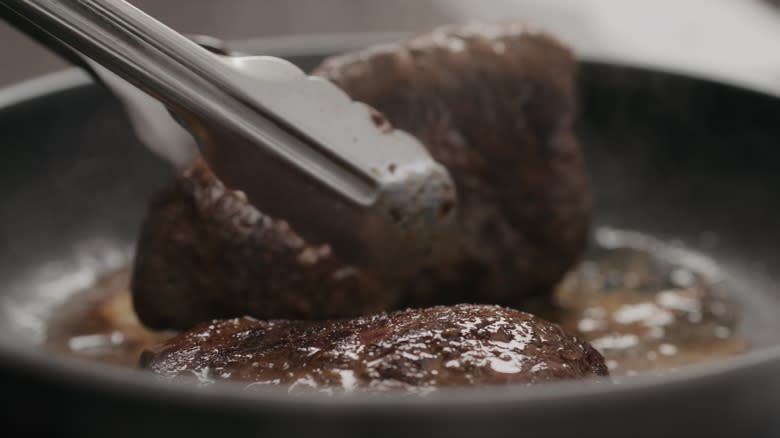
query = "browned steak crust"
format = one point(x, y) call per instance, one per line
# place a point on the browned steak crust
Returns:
point(493, 103)
point(415, 350)
point(204, 252)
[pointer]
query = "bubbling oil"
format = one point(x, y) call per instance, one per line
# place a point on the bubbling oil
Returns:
point(647, 306)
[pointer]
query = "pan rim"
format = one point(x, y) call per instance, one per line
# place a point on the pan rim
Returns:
point(42, 86)
point(140, 384)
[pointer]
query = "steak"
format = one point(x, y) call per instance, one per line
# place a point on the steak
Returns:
point(494, 103)
point(413, 350)
point(204, 252)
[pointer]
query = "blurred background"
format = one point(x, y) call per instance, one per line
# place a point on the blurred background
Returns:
point(735, 40)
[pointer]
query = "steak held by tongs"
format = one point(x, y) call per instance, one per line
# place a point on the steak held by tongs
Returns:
point(493, 103)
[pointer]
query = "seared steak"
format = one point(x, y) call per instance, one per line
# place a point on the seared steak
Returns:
point(493, 103)
point(414, 350)
point(204, 252)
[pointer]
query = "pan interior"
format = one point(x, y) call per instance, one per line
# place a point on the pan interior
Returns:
point(682, 163)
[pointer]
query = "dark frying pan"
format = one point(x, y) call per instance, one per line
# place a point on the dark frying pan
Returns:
point(676, 157)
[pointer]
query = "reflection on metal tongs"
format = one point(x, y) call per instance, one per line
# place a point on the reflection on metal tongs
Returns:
point(296, 145)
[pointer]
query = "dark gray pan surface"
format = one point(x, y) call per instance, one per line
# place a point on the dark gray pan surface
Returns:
point(674, 157)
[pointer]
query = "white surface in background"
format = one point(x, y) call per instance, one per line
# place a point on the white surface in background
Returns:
point(735, 40)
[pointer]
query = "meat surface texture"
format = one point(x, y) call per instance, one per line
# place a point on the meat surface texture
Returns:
point(494, 103)
point(412, 350)
point(205, 252)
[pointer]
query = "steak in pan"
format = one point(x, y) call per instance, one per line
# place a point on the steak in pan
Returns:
point(205, 252)
point(413, 350)
point(494, 103)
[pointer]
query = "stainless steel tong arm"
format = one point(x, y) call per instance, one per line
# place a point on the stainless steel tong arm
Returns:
point(186, 76)
point(298, 146)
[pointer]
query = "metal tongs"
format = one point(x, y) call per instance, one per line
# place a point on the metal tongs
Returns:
point(297, 146)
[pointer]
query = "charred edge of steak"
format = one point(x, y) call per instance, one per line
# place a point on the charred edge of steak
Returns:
point(493, 103)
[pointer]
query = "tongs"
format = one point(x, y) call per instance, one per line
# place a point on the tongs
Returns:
point(297, 146)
